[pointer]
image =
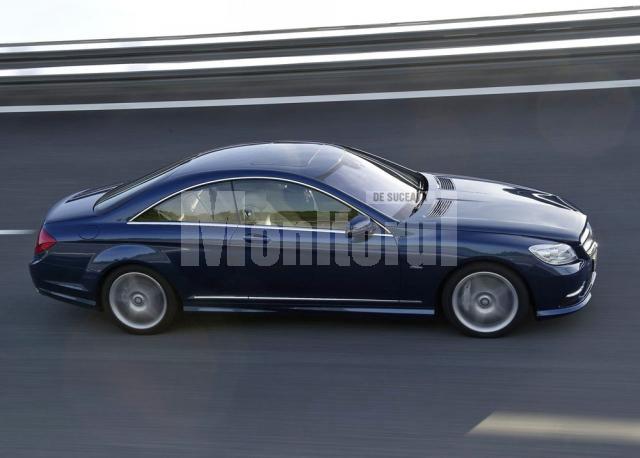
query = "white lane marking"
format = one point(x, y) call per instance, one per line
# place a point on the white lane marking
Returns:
point(371, 96)
point(16, 231)
point(101, 69)
point(311, 34)
point(539, 425)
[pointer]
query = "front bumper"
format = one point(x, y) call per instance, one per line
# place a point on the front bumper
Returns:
point(583, 300)
point(570, 289)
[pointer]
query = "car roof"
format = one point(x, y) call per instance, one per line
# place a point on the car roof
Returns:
point(307, 159)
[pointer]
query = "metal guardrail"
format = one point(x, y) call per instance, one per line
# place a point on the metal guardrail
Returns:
point(562, 21)
point(442, 40)
point(574, 46)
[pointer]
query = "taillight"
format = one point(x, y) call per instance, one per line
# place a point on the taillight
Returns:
point(45, 241)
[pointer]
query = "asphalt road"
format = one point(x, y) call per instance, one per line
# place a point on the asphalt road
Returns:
point(72, 384)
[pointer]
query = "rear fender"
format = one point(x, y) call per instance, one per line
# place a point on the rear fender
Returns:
point(119, 255)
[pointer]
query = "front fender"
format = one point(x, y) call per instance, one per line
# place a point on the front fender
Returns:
point(548, 285)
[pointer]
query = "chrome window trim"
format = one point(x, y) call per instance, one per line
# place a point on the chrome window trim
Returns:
point(288, 180)
point(286, 228)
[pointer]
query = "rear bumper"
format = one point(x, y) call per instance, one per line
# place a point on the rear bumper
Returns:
point(51, 281)
point(75, 300)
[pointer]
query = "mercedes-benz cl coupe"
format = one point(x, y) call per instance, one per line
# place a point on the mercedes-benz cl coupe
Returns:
point(295, 226)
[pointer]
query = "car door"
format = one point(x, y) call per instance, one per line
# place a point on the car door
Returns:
point(291, 248)
point(193, 229)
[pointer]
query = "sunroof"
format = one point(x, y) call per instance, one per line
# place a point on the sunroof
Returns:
point(287, 155)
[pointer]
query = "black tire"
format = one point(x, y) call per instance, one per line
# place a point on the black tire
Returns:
point(458, 314)
point(159, 318)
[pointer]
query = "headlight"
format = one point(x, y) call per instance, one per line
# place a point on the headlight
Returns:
point(554, 253)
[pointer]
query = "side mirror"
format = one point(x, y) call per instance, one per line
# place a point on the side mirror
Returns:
point(360, 227)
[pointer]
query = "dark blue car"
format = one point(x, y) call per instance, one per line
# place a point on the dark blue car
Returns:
point(308, 226)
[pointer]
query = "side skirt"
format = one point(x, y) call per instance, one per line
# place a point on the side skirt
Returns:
point(297, 308)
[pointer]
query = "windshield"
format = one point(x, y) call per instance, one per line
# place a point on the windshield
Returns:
point(393, 192)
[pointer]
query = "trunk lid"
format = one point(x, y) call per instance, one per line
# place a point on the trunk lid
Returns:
point(77, 205)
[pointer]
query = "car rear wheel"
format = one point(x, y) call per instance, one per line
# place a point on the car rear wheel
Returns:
point(139, 300)
point(485, 300)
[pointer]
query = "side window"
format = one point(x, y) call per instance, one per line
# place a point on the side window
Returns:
point(279, 203)
point(207, 204)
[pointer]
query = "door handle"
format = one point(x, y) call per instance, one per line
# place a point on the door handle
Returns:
point(256, 238)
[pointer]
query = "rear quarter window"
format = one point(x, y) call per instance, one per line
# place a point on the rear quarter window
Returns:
point(206, 204)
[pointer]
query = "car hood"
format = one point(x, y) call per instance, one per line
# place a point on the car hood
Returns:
point(473, 204)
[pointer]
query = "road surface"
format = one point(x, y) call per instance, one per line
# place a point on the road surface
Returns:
point(73, 384)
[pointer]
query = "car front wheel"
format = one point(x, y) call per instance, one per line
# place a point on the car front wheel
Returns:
point(139, 300)
point(485, 300)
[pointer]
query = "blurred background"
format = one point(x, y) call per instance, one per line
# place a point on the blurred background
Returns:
point(543, 94)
